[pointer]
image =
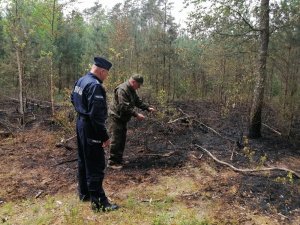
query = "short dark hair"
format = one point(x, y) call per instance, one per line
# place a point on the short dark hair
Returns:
point(138, 78)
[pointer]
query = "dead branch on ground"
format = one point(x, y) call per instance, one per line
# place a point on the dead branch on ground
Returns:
point(4, 134)
point(66, 161)
point(215, 132)
point(9, 126)
point(64, 142)
point(272, 129)
point(181, 118)
point(168, 154)
point(247, 170)
point(203, 125)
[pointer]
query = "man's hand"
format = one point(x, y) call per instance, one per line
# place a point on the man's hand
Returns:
point(106, 143)
point(140, 116)
point(151, 109)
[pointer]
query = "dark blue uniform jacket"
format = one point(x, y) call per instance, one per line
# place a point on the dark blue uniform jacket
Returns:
point(89, 100)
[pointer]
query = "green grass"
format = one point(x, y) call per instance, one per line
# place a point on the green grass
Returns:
point(156, 204)
point(164, 202)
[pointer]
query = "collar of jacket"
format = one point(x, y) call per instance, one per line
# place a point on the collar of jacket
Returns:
point(129, 86)
point(93, 75)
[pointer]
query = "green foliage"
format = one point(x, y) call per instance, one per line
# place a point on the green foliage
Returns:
point(161, 219)
point(275, 87)
point(131, 203)
point(285, 180)
point(65, 116)
point(162, 98)
point(262, 160)
point(215, 58)
point(72, 214)
point(249, 153)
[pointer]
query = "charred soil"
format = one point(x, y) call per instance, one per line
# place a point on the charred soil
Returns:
point(34, 165)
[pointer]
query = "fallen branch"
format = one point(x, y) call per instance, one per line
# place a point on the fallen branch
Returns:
point(275, 131)
point(151, 200)
point(215, 132)
point(203, 125)
point(4, 134)
point(182, 112)
point(10, 127)
point(181, 118)
point(38, 194)
point(247, 170)
point(162, 155)
point(64, 142)
point(67, 161)
point(190, 194)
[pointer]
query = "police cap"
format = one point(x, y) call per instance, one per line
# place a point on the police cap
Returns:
point(138, 78)
point(103, 63)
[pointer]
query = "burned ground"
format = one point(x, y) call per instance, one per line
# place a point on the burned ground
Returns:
point(165, 143)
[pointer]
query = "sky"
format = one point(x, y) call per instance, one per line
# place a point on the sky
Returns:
point(178, 12)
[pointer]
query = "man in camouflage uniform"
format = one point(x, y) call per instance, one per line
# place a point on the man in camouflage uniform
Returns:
point(123, 108)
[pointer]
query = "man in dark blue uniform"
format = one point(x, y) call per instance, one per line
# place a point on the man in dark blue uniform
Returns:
point(89, 100)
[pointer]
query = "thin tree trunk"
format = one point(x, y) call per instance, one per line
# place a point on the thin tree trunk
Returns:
point(164, 48)
point(51, 60)
point(21, 75)
point(52, 86)
point(256, 109)
point(169, 77)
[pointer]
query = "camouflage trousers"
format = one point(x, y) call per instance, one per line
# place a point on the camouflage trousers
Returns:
point(118, 130)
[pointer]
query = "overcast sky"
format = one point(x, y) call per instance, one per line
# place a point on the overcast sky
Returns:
point(178, 12)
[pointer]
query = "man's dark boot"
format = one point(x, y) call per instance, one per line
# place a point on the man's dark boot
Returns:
point(115, 165)
point(104, 206)
point(84, 198)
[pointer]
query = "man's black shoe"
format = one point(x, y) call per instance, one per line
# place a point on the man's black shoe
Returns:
point(84, 198)
point(104, 207)
point(114, 165)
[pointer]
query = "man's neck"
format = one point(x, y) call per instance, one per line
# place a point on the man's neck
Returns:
point(95, 71)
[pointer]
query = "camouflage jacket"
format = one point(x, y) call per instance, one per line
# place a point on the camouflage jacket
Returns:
point(124, 100)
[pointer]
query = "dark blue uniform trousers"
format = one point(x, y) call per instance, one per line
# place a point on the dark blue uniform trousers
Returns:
point(91, 163)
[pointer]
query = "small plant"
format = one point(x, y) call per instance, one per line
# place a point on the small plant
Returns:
point(285, 180)
point(249, 153)
point(131, 202)
point(262, 160)
point(64, 119)
point(72, 215)
point(66, 116)
point(162, 97)
point(290, 177)
point(194, 222)
point(161, 219)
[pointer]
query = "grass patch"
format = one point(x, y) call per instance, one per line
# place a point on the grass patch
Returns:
point(161, 203)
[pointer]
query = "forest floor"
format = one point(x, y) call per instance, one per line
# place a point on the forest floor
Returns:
point(165, 165)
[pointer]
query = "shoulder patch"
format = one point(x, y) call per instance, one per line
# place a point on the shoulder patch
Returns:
point(78, 90)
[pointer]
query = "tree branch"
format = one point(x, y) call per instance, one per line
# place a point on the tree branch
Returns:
point(277, 132)
point(245, 20)
point(247, 170)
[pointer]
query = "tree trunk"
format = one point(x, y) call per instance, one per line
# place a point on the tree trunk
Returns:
point(256, 109)
point(21, 75)
point(52, 86)
point(51, 60)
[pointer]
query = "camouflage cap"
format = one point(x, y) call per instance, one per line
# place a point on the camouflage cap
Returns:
point(138, 78)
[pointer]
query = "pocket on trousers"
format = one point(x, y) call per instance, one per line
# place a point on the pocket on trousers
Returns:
point(94, 141)
point(94, 147)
